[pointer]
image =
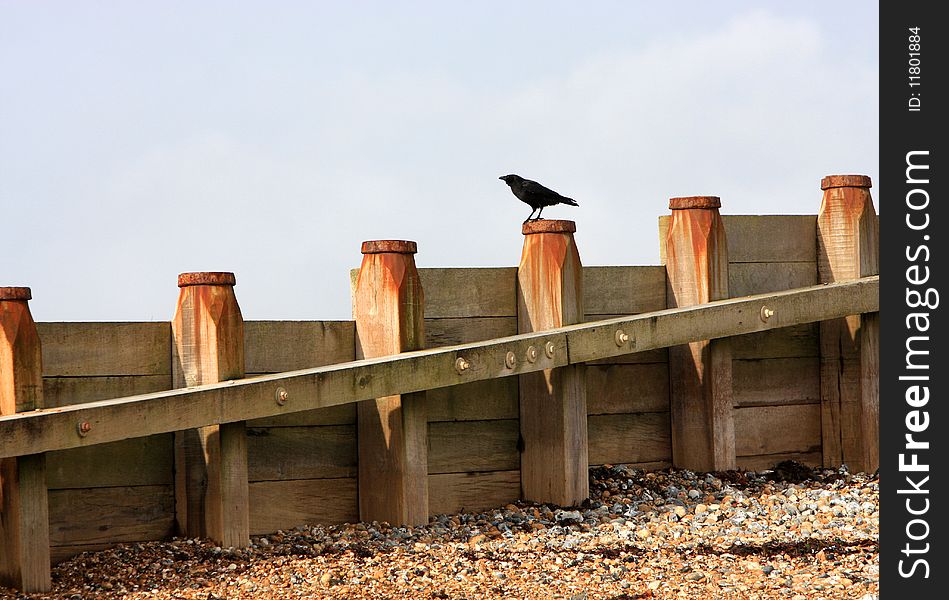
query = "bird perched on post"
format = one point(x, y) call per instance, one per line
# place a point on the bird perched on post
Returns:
point(535, 195)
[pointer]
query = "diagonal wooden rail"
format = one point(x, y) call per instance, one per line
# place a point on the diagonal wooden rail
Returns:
point(136, 416)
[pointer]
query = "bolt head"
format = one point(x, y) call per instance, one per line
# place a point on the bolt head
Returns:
point(510, 360)
point(549, 349)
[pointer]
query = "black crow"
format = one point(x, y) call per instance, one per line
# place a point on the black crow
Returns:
point(534, 194)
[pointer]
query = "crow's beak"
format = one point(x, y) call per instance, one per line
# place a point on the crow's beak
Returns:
point(501, 178)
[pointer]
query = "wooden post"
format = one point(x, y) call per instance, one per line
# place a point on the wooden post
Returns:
point(211, 493)
point(553, 402)
point(24, 520)
point(848, 247)
point(388, 306)
point(700, 373)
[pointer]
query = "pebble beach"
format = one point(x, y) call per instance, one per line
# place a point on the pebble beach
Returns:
point(791, 532)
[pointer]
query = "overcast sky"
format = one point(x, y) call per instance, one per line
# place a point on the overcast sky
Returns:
point(143, 139)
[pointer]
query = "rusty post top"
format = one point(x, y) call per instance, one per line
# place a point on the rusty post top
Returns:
point(386, 246)
point(15, 293)
point(206, 278)
point(686, 202)
point(548, 226)
point(837, 181)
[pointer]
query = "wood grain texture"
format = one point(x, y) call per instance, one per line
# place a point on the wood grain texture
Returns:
point(280, 453)
point(448, 332)
point(776, 381)
point(471, 492)
point(778, 429)
point(490, 399)
point(630, 438)
point(24, 520)
point(388, 307)
point(111, 515)
point(343, 414)
point(848, 248)
point(469, 292)
point(617, 389)
point(175, 410)
point(700, 373)
point(553, 404)
point(105, 349)
point(63, 391)
point(211, 461)
point(133, 462)
point(276, 346)
point(788, 342)
point(467, 446)
point(623, 290)
point(771, 238)
point(746, 279)
point(276, 505)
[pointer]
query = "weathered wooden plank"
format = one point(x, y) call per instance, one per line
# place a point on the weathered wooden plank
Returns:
point(489, 399)
point(658, 355)
point(276, 346)
point(449, 332)
point(24, 517)
point(342, 414)
point(617, 389)
point(623, 290)
point(776, 381)
point(103, 349)
point(210, 461)
point(469, 292)
point(472, 492)
point(848, 247)
point(788, 342)
point(279, 453)
point(111, 420)
point(631, 438)
point(389, 306)
point(552, 403)
point(771, 238)
point(111, 515)
point(133, 462)
point(700, 373)
point(467, 446)
point(276, 505)
point(761, 462)
point(777, 429)
point(745, 279)
point(63, 391)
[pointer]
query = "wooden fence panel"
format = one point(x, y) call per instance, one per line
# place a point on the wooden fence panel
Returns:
point(85, 362)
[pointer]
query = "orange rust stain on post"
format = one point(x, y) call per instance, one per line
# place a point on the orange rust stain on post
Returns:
point(703, 436)
point(848, 248)
point(388, 307)
point(553, 422)
point(24, 513)
point(211, 462)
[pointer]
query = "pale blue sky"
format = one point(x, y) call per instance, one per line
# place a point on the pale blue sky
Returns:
point(142, 139)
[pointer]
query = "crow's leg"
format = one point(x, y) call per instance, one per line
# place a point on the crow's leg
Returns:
point(530, 215)
point(538, 213)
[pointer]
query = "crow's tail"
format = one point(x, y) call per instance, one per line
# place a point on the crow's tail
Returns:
point(570, 201)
